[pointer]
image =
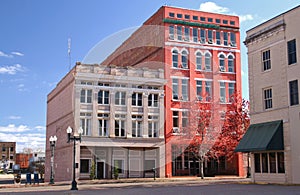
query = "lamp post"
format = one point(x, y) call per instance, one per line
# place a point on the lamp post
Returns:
point(74, 138)
point(52, 141)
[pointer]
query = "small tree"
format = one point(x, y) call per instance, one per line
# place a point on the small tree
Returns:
point(93, 170)
point(116, 170)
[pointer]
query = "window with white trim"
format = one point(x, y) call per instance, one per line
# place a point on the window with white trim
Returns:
point(218, 37)
point(268, 98)
point(175, 89)
point(120, 98)
point(198, 61)
point(175, 121)
point(232, 39)
point(266, 59)
point(208, 62)
point(137, 99)
point(153, 100)
point(187, 33)
point(137, 123)
point(85, 123)
point(195, 35)
point(185, 89)
point(119, 165)
point(231, 91)
point(103, 120)
point(222, 63)
point(86, 96)
point(230, 63)
point(175, 59)
point(199, 90)
point(179, 33)
point(271, 162)
point(120, 125)
point(202, 35)
point(222, 92)
point(184, 59)
point(152, 126)
point(171, 32)
point(208, 90)
point(292, 52)
point(210, 39)
point(225, 38)
point(103, 97)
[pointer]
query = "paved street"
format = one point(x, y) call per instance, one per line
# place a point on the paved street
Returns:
point(166, 188)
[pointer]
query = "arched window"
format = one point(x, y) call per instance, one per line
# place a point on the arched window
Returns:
point(230, 63)
point(198, 61)
point(175, 59)
point(207, 61)
point(222, 63)
point(184, 59)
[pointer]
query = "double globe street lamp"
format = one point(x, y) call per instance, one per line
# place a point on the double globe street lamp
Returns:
point(52, 141)
point(74, 138)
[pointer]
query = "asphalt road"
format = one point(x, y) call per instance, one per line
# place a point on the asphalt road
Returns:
point(165, 189)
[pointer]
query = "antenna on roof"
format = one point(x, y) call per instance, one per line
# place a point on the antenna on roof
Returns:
point(69, 52)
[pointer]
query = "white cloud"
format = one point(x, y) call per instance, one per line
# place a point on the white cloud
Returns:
point(40, 128)
point(213, 7)
point(16, 53)
point(14, 117)
point(24, 136)
point(2, 54)
point(11, 69)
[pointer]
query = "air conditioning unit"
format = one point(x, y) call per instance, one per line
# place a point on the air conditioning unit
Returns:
point(210, 41)
point(175, 130)
point(222, 99)
point(222, 68)
point(186, 39)
point(232, 44)
point(171, 37)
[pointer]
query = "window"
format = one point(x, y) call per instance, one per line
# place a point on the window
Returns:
point(175, 119)
point(264, 163)
point(137, 99)
point(209, 19)
point(266, 58)
point(230, 63)
point(225, 38)
point(198, 61)
point(104, 84)
point(218, 21)
point(208, 62)
point(137, 122)
point(175, 59)
point(185, 89)
point(195, 17)
point(11, 149)
point(153, 100)
point(171, 32)
point(103, 120)
point(187, 17)
point(232, 23)
point(292, 53)
point(225, 21)
point(152, 126)
point(222, 63)
point(294, 96)
point(86, 83)
point(257, 163)
point(120, 125)
point(195, 35)
point(3, 149)
point(84, 165)
point(85, 123)
point(179, 33)
point(179, 15)
point(272, 159)
point(86, 96)
point(218, 38)
point(172, 15)
point(186, 33)
point(199, 90)
point(119, 165)
point(11, 157)
point(202, 36)
point(120, 97)
point(184, 59)
point(230, 90)
point(185, 119)
point(208, 90)
point(103, 97)
point(280, 162)
point(268, 98)
point(175, 89)
point(210, 37)
point(202, 19)
point(222, 92)
point(232, 39)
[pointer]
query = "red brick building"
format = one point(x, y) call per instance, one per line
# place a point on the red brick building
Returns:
point(200, 55)
point(23, 160)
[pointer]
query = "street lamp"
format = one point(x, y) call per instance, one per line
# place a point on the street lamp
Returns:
point(52, 141)
point(74, 139)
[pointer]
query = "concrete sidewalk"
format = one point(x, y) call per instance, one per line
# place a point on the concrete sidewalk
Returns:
point(66, 185)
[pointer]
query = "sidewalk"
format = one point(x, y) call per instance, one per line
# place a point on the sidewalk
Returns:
point(126, 182)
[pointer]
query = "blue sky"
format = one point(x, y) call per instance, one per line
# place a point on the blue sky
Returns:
point(34, 47)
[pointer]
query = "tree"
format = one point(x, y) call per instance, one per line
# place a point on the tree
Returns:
point(212, 135)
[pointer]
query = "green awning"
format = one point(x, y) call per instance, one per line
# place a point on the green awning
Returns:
point(262, 137)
